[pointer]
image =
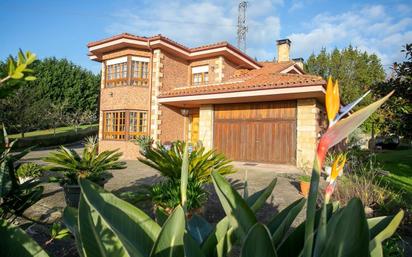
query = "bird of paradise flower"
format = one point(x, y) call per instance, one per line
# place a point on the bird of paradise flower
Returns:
point(338, 129)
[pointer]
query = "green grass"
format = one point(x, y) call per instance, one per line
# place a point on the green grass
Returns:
point(399, 164)
point(51, 131)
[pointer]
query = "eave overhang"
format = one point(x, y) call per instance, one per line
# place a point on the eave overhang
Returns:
point(274, 94)
point(124, 41)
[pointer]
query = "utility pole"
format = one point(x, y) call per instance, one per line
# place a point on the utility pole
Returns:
point(241, 26)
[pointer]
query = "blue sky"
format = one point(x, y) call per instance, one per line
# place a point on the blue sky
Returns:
point(63, 28)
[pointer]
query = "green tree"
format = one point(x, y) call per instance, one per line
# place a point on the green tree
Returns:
point(22, 112)
point(396, 117)
point(61, 90)
point(355, 70)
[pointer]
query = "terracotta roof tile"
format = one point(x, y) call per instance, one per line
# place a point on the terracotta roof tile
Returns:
point(267, 80)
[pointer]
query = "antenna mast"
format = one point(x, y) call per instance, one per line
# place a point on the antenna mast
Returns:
point(241, 26)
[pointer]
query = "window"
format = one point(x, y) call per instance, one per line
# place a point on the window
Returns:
point(140, 71)
point(200, 75)
point(117, 71)
point(137, 124)
point(124, 125)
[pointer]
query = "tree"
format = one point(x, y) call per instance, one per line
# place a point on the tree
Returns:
point(396, 117)
point(356, 72)
point(61, 89)
point(56, 115)
point(22, 113)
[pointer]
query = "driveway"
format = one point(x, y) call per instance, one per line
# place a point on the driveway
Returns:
point(258, 176)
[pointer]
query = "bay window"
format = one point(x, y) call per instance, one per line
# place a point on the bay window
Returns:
point(124, 125)
point(125, 71)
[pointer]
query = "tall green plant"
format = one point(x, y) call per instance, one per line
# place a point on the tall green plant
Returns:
point(168, 161)
point(15, 197)
point(91, 165)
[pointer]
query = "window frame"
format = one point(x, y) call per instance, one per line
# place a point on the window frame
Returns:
point(126, 72)
point(123, 120)
point(203, 75)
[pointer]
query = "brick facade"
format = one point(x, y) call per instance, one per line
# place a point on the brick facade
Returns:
point(169, 70)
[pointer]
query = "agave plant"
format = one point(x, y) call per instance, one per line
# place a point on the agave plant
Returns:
point(15, 197)
point(91, 164)
point(168, 161)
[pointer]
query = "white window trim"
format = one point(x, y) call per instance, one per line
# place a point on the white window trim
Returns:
point(140, 59)
point(116, 60)
point(200, 69)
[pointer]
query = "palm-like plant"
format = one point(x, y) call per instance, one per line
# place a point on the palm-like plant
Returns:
point(168, 161)
point(90, 165)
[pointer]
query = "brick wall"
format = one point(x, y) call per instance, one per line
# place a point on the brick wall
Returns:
point(130, 150)
point(228, 69)
point(122, 98)
point(175, 72)
point(172, 124)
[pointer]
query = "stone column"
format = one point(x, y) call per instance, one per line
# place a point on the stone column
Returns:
point(206, 125)
point(219, 69)
point(102, 82)
point(157, 75)
point(307, 129)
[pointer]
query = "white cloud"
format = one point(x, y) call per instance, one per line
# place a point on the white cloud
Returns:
point(199, 23)
point(371, 28)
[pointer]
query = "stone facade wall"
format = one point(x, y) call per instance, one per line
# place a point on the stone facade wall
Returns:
point(308, 117)
point(283, 52)
point(206, 125)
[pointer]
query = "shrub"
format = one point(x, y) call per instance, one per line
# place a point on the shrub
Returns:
point(144, 142)
point(166, 194)
point(91, 165)
point(15, 197)
point(168, 161)
point(29, 170)
point(58, 139)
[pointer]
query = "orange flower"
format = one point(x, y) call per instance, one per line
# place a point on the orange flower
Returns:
point(332, 100)
point(337, 170)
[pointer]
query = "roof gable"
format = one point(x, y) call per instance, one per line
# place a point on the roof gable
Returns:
point(97, 48)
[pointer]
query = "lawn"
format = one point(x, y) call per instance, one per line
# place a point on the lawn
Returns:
point(399, 164)
point(51, 131)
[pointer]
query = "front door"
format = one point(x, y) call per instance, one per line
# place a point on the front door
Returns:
point(193, 128)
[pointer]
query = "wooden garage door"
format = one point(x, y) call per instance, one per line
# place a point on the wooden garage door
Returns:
point(257, 132)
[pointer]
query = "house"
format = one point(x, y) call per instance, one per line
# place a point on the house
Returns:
point(266, 112)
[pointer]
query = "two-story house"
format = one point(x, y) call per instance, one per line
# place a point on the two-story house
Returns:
point(267, 112)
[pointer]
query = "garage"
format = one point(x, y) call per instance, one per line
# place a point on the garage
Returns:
point(263, 132)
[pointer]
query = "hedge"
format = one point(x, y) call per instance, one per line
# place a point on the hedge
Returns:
point(58, 139)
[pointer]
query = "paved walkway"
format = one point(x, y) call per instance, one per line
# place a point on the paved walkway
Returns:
point(50, 207)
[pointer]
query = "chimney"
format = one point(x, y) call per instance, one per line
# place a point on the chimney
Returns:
point(299, 62)
point(283, 49)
